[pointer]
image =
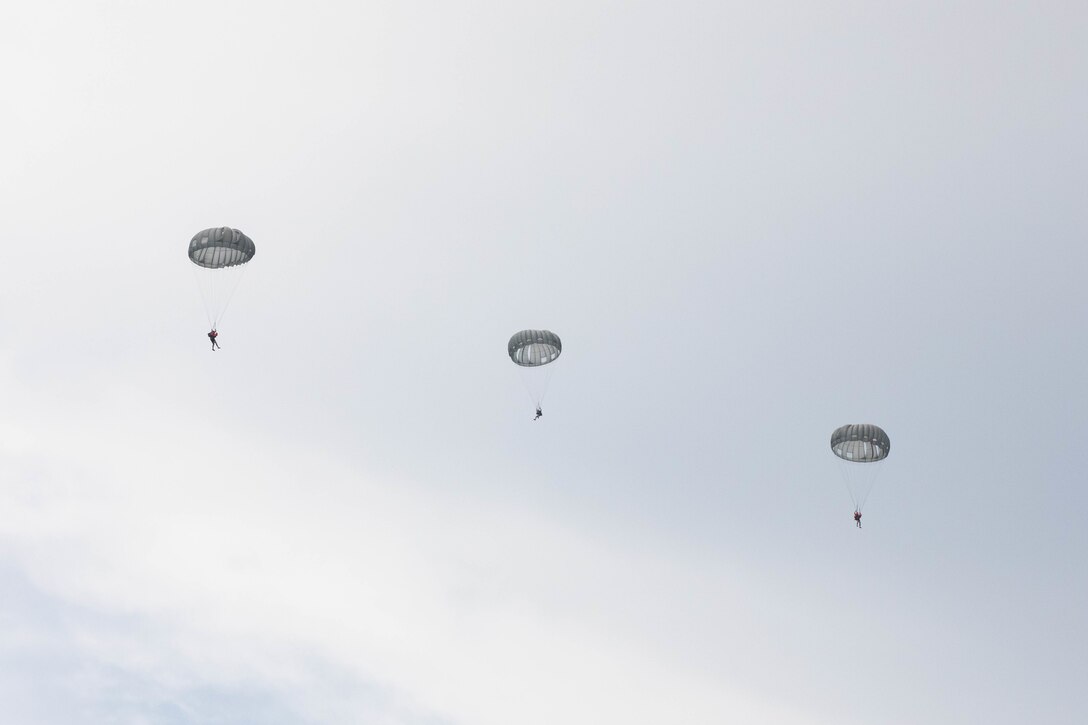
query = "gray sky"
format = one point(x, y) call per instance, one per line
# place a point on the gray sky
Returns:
point(750, 223)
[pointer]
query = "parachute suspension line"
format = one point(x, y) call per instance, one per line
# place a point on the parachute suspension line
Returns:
point(871, 483)
point(859, 479)
point(536, 393)
point(230, 296)
point(522, 376)
point(548, 372)
point(204, 297)
point(844, 478)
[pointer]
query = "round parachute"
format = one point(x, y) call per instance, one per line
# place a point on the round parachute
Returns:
point(221, 254)
point(533, 348)
point(221, 247)
point(860, 443)
point(531, 351)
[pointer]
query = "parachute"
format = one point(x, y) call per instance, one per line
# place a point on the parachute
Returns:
point(533, 348)
point(533, 351)
point(221, 254)
point(860, 448)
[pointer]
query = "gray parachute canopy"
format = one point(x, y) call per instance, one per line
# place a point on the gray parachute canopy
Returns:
point(860, 443)
point(532, 348)
point(221, 247)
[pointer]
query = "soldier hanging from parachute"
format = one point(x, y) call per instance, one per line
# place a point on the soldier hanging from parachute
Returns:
point(221, 253)
point(532, 351)
point(860, 447)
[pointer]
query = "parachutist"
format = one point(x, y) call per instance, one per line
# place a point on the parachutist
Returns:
point(222, 254)
point(861, 447)
point(532, 350)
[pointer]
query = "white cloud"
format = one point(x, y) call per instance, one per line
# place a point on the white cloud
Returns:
point(241, 570)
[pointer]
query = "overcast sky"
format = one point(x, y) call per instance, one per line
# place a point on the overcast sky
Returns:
point(750, 222)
